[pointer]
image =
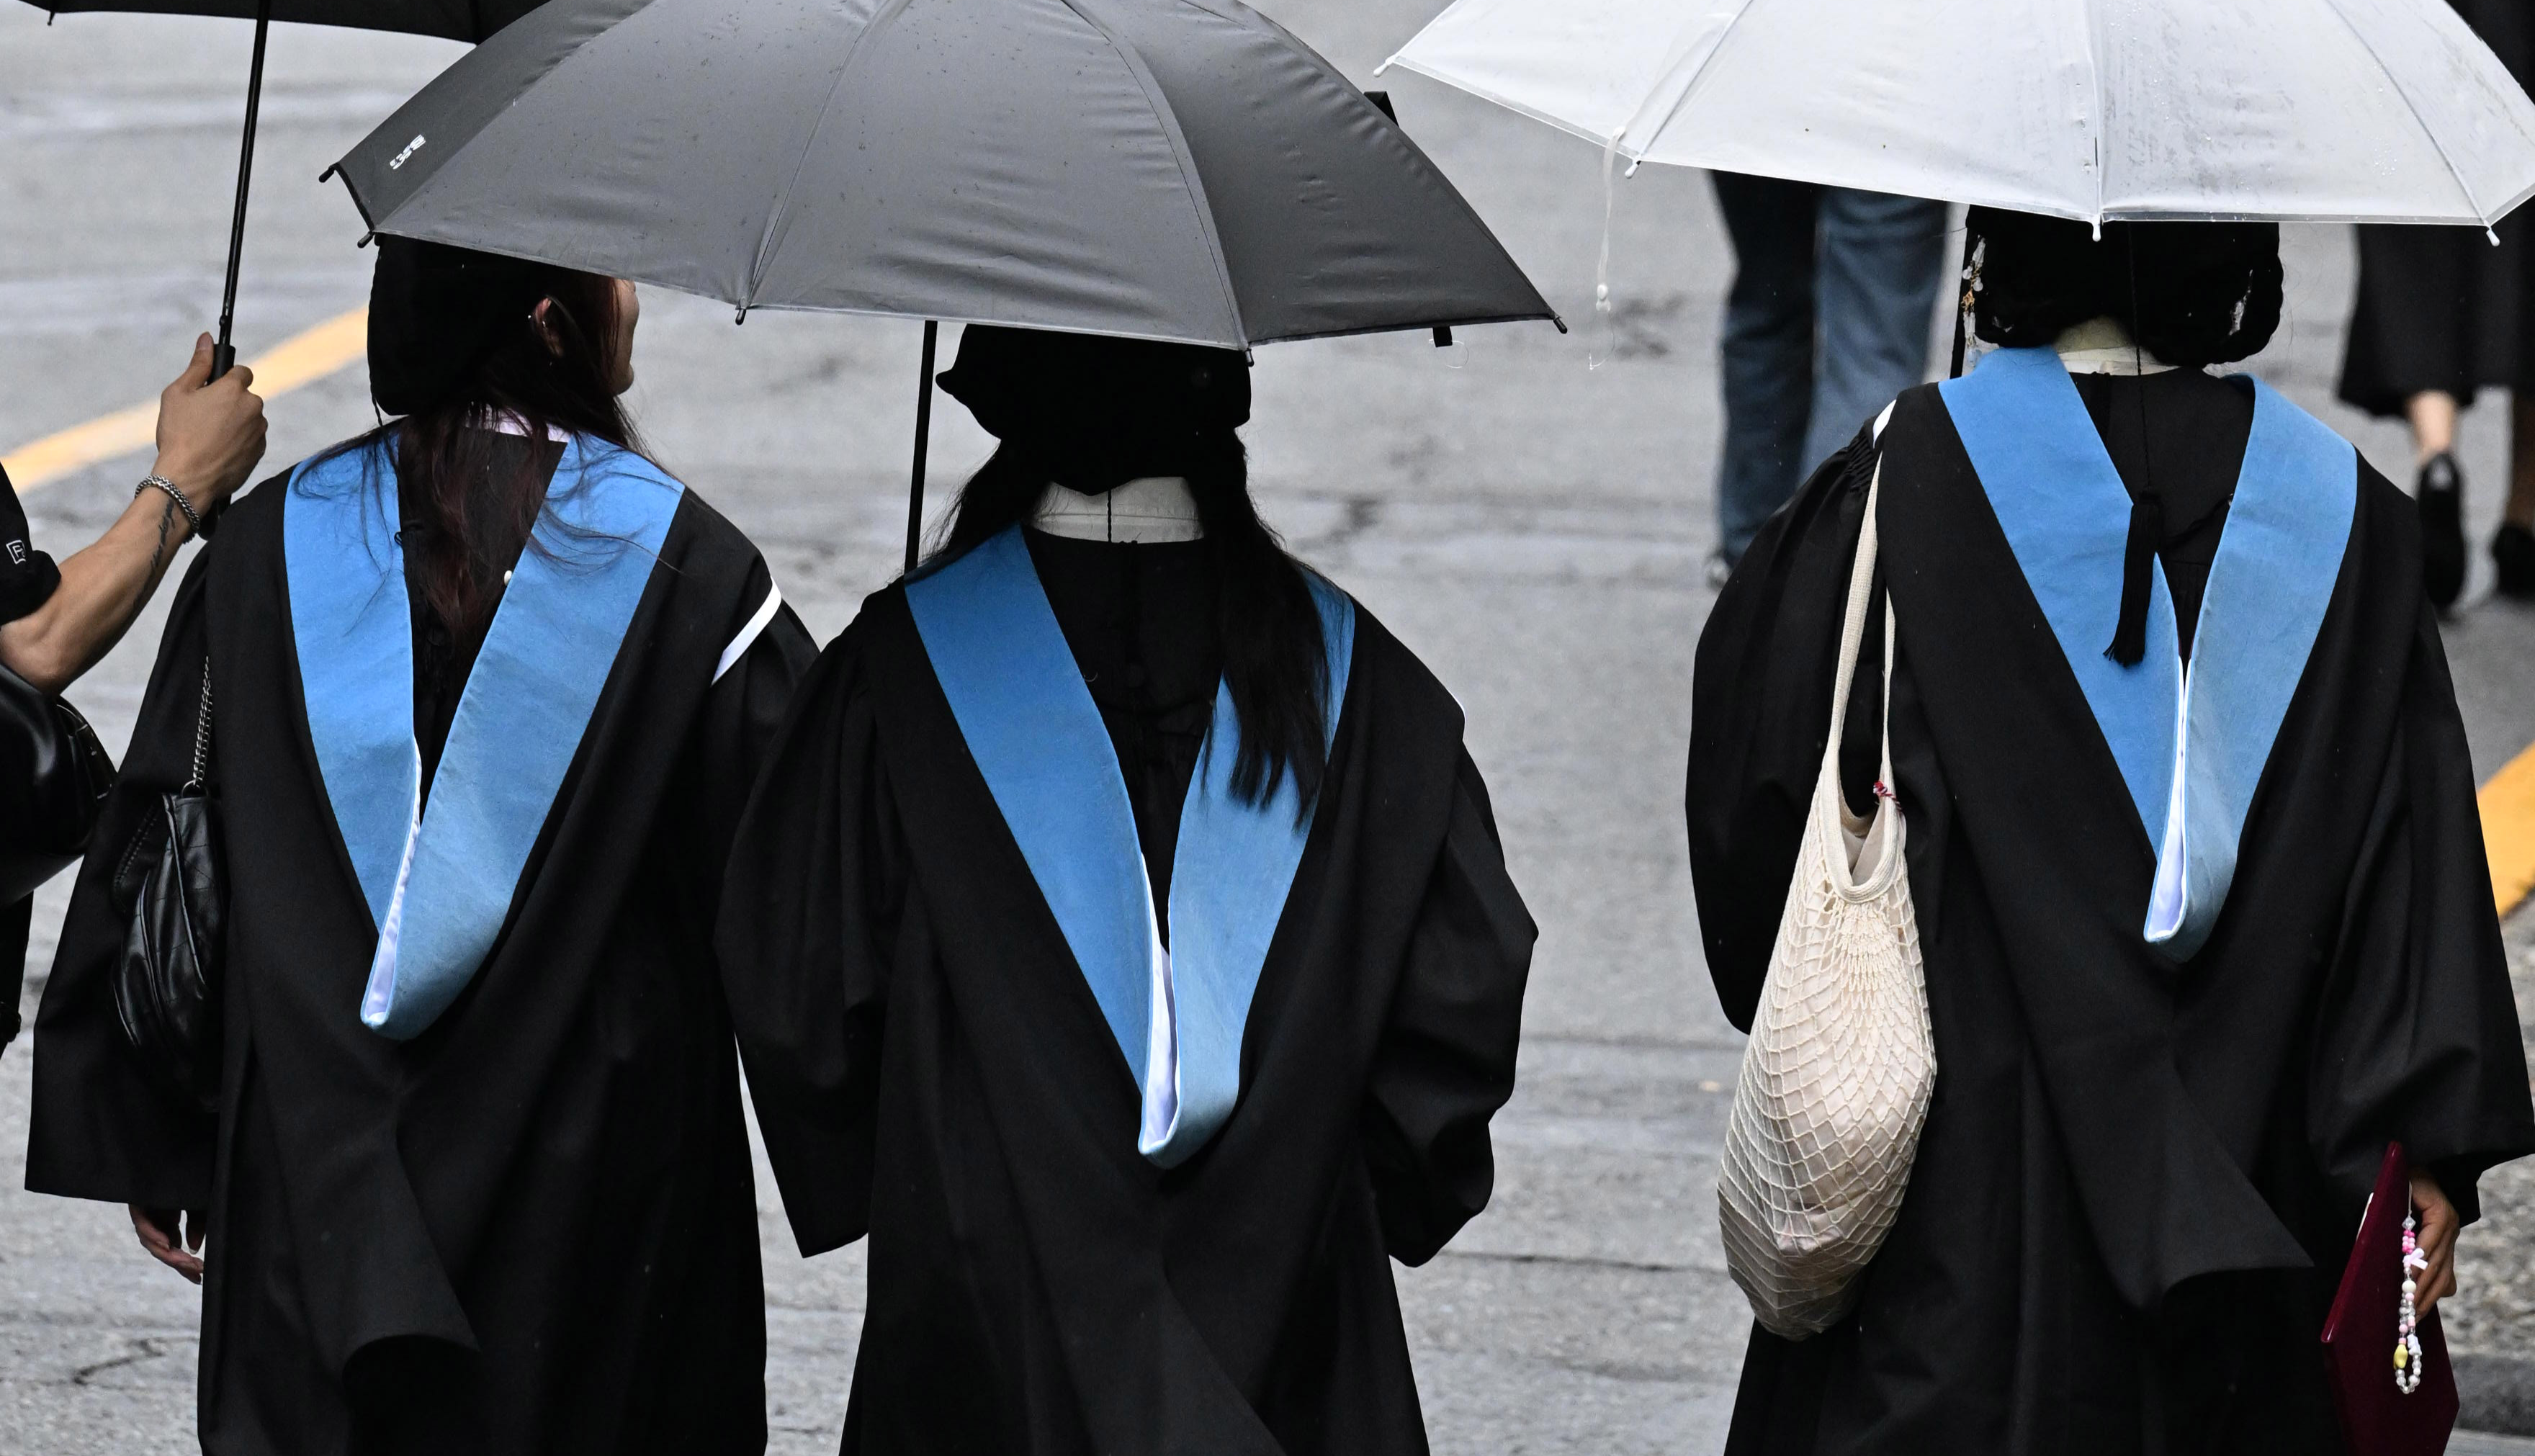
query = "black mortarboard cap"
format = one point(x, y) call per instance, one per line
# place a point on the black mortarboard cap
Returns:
point(1098, 411)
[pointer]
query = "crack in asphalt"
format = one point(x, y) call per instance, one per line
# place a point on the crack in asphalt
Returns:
point(1573, 1261)
point(145, 1348)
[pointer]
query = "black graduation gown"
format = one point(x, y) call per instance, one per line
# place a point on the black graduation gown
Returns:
point(2137, 1183)
point(931, 1070)
point(28, 578)
point(532, 1229)
point(2440, 308)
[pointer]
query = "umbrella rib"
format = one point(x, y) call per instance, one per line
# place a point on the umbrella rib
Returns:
point(1168, 121)
point(778, 220)
point(1688, 90)
point(2418, 120)
point(2095, 113)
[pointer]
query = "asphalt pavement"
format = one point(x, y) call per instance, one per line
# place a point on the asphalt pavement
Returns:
point(1529, 511)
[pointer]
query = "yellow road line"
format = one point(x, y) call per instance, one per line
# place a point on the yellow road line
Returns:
point(302, 359)
point(2509, 831)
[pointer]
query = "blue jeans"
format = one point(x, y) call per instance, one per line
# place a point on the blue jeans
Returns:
point(1828, 320)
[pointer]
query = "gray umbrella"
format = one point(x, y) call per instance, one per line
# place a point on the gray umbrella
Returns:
point(1168, 169)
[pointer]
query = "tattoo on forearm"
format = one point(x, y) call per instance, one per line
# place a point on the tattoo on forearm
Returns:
point(158, 553)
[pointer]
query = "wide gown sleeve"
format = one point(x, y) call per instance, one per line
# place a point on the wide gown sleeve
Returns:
point(816, 884)
point(1761, 716)
point(2418, 1039)
point(101, 1128)
point(1445, 1062)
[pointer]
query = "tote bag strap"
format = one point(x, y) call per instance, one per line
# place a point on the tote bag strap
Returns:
point(1852, 637)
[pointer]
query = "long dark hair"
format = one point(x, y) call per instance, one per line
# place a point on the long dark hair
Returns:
point(2191, 293)
point(467, 495)
point(1275, 660)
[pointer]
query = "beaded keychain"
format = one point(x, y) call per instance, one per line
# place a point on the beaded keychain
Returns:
point(2407, 1341)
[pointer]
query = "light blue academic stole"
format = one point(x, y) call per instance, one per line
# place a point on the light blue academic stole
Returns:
point(2190, 743)
point(439, 882)
point(1178, 1015)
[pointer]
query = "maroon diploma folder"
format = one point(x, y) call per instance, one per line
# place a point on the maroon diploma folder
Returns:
point(2361, 1334)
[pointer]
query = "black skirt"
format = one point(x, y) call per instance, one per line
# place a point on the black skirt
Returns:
point(2440, 308)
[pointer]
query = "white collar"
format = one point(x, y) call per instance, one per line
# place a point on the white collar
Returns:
point(1153, 509)
point(503, 422)
point(2104, 347)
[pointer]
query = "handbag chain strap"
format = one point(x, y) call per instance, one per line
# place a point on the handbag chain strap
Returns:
point(201, 736)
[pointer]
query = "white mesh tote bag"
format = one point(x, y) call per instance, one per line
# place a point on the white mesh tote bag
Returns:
point(1835, 1079)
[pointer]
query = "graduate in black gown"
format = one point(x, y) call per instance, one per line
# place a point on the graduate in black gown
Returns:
point(2182, 997)
point(1126, 950)
point(489, 680)
point(58, 619)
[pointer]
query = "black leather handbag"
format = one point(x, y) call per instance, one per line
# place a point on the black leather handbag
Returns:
point(54, 776)
point(167, 981)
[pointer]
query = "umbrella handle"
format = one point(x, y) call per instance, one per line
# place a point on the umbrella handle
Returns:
point(224, 353)
point(923, 444)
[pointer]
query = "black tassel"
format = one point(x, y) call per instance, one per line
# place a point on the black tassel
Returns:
point(2138, 561)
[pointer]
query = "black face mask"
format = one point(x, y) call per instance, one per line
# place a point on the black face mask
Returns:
point(435, 313)
point(1097, 412)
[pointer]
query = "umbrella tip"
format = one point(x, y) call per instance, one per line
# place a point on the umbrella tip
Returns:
point(1378, 72)
point(328, 172)
point(1559, 322)
point(741, 317)
point(1443, 335)
point(2492, 233)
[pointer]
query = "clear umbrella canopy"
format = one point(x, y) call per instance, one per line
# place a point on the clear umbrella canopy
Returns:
point(2316, 110)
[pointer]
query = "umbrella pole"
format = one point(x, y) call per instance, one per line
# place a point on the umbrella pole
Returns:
point(923, 443)
point(224, 353)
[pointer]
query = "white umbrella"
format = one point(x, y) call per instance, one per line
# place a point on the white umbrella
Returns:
point(2296, 110)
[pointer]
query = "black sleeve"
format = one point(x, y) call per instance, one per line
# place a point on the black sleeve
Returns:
point(1447, 1059)
point(2418, 1040)
point(816, 884)
point(27, 577)
point(1760, 717)
point(101, 1126)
